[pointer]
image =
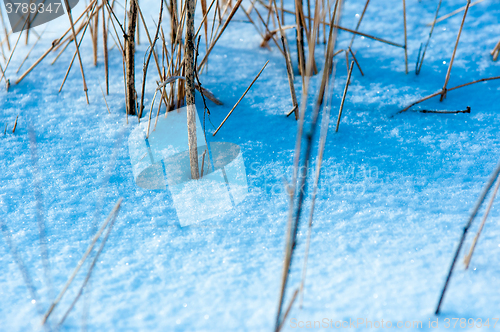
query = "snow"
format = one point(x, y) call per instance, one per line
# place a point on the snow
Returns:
point(394, 194)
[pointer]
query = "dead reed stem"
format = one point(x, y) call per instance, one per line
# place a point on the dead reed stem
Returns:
point(231, 14)
point(10, 57)
point(343, 96)
point(68, 11)
point(359, 22)
point(421, 60)
point(91, 268)
point(468, 257)
point(292, 300)
point(204, 22)
point(15, 125)
point(298, 182)
point(480, 201)
point(289, 68)
point(104, 97)
point(443, 95)
point(323, 135)
point(269, 34)
point(105, 50)
point(75, 54)
point(356, 61)
point(130, 58)
point(189, 67)
point(241, 98)
point(495, 51)
point(95, 35)
point(7, 235)
point(5, 29)
point(349, 30)
point(39, 215)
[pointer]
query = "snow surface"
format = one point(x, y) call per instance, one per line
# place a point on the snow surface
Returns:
point(394, 195)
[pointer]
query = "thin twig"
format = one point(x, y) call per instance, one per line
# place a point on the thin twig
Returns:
point(443, 94)
point(406, 41)
point(450, 89)
point(421, 60)
point(356, 61)
point(468, 257)
point(68, 11)
point(343, 96)
point(461, 9)
point(82, 260)
point(480, 201)
point(239, 100)
point(289, 69)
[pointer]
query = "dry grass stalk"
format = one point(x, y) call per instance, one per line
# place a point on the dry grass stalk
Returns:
point(204, 23)
point(300, 37)
point(356, 61)
point(269, 34)
point(461, 9)
point(155, 56)
point(323, 135)
point(146, 65)
point(105, 50)
point(468, 257)
point(480, 201)
point(130, 58)
point(231, 14)
point(241, 98)
point(94, 34)
point(15, 125)
point(68, 11)
point(343, 96)
point(467, 110)
point(91, 268)
point(10, 57)
point(82, 260)
point(443, 95)
point(298, 182)
point(289, 68)
point(359, 22)
point(88, 22)
point(190, 68)
point(31, 49)
point(420, 60)
point(203, 162)
point(150, 113)
point(448, 90)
